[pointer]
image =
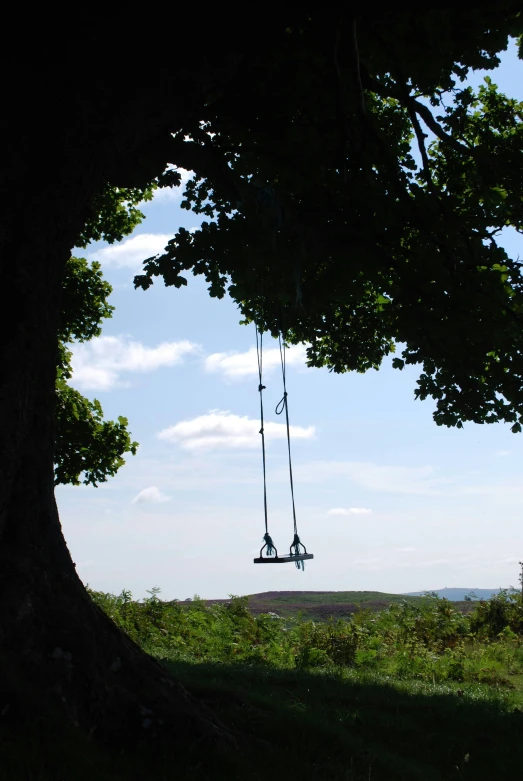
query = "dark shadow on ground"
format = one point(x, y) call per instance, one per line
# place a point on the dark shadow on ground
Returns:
point(297, 726)
point(320, 726)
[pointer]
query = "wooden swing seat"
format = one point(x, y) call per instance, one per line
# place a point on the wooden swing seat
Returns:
point(285, 559)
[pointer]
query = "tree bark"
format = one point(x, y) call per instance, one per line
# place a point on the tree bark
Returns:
point(65, 142)
point(78, 114)
point(53, 639)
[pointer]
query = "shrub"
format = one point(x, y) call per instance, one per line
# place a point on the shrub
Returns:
point(430, 640)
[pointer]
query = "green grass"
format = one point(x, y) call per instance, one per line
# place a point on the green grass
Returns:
point(418, 692)
point(354, 726)
point(292, 724)
point(427, 640)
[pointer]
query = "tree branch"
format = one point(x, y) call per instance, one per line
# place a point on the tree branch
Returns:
point(208, 162)
point(438, 131)
point(426, 115)
point(421, 136)
point(356, 68)
point(343, 147)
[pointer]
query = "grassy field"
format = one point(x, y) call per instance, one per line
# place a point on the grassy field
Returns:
point(418, 691)
point(351, 725)
point(417, 638)
point(304, 726)
point(321, 605)
point(331, 597)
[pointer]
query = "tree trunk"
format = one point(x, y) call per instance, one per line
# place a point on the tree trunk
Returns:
point(63, 147)
point(53, 639)
point(74, 121)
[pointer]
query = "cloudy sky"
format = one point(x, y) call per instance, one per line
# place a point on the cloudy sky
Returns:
point(385, 499)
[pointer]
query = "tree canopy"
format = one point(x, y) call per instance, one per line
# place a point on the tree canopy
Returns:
point(86, 445)
point(356, 191)
point(322, 222)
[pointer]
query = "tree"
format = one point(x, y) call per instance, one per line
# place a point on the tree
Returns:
point(299, 132)
point(85, 443)
point(361, 248)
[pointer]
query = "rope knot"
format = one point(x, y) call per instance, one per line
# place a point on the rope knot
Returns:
point(271, 548)
point(296, 544)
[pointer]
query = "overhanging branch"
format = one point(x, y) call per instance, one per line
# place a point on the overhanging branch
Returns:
point(438, 131)
point(388, 91)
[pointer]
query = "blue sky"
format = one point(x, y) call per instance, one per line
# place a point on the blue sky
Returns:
point(386, 500)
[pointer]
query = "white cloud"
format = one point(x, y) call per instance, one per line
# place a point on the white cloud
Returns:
point(433, 562)
point(349, 511)
point(98, 364)
point(366, 564)
point(236, 366)
point(375, 477)
point(132, 252)
point(152, 494)
point(405, 550)
point(173, 193)
point(502, 453)
point(220, 429)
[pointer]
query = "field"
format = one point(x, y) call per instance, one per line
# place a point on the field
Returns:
point(322, 605)
point(417, 691)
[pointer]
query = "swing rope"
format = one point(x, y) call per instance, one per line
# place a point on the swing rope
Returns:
point(271, 548)
point(281, 406)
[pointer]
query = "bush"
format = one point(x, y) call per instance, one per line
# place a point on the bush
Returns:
point(430, 641)
point(494, 615)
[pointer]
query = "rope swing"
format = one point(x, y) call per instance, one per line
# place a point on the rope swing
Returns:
point(296, 554)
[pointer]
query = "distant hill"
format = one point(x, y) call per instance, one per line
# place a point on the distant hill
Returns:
point(458, 594)
point(320, 605)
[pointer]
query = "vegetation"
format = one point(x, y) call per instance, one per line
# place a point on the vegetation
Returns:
point(429, 640)
point(364, 210)
point(85, 444)
point(89, 449)
point(321, 223)
point(321, 605)
point(418, 692)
